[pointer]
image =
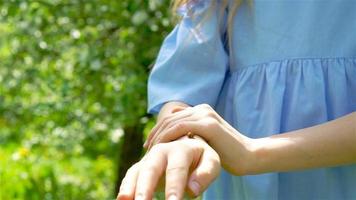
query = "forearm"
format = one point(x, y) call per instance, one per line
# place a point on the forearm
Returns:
point(329, 144)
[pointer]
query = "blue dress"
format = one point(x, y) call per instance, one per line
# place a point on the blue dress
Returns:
point(293, 65)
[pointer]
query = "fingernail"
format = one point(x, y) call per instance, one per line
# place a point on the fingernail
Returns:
point(145, 144)
point(195, 187)
point(172, 197)
point(139, 197)
point(121, 196)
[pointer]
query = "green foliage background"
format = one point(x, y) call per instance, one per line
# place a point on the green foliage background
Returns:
point(72, 74)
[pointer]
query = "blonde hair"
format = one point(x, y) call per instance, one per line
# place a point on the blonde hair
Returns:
point(223, 6)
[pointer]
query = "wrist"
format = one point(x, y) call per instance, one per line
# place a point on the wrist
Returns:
point(247, 161)
point(260, 156)
point(252, 156)
point(242, 163)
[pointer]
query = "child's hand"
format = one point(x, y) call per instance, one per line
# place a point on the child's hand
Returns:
point(202, 120)
point(177, 124)
point(192, 169)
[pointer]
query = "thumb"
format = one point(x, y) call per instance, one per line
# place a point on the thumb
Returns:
point(205, 173)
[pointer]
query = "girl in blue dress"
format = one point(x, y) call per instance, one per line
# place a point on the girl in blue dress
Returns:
point(270, 88)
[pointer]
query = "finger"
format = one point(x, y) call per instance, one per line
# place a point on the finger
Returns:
point(178, 115)
point(160, 123)
point(205, 173)
point(177, 174)
point(179, 108)
point(128, 184)
point(151, 170)
point(163, 124)
point(179, 129)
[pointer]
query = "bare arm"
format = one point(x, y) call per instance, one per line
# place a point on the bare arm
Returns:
point(329, 144)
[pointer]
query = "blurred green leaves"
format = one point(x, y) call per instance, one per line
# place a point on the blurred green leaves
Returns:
point(72, 74)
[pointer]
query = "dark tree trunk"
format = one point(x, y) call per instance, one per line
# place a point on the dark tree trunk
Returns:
point(131, 151)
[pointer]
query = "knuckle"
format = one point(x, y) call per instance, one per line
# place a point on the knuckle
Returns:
point(124, 182)
point(211, 172)
point(208, 111)
point(211, 114)
point(180, 125)
point(185, 148)
point(208, 176)
point(151, 167)
point(177, 169)
point(140, 193)
point(129, 171)
point(215, 161)
point(136, 165)
point(205, 105)
point(205, 175)
point(132, 169)
point(154, 149)
point(158, 148)
point(210, 123)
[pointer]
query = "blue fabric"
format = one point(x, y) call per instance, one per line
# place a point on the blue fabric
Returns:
point(293, 65)
point(191, 64)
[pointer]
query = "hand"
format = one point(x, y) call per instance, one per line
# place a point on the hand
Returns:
point(202, 120)
point(194, 166)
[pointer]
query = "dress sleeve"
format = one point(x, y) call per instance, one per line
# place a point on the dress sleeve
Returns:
point(192, 62)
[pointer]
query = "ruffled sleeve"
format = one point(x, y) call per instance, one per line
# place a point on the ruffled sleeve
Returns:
point(192, 61)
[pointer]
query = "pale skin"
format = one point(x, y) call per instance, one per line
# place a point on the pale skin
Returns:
point(186, 166)
point(325, 145)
